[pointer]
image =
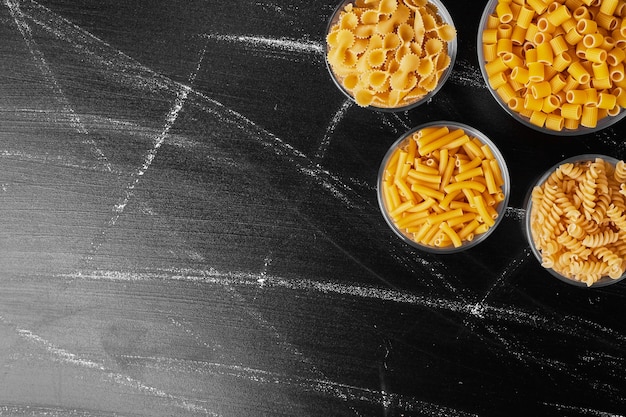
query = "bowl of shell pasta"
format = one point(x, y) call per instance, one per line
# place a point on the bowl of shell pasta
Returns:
point(390, 55)
point(575, 220)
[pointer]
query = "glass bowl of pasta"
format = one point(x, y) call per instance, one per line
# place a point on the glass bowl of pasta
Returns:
point(443, 187)
point(575, 220)
point(390, 55)
point(555, 67)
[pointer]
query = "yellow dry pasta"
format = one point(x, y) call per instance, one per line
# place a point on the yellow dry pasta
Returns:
point(570, 44)
point(574, 235)
point(389, 53)
point(454, 199)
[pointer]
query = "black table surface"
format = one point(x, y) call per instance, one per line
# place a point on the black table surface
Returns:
point(189, 226)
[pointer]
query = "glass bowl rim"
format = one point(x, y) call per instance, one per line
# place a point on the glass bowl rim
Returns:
point(604, 281)
point(442, 10)
point(501, 208)
point(602, 123)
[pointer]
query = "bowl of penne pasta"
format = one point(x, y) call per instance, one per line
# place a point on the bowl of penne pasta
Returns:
point(390, 55)
point(575, 220)
point(556, 67)
point(443, 187)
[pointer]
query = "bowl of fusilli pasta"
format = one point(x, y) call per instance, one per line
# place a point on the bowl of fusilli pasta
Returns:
point(390, 55)
point(575, 220)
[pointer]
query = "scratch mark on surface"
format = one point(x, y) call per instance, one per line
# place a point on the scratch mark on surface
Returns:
point(70, 358)
point(263, 275)
point(515, 213)
point(437, 269)
point(32, 410)
point(465, 74)
point(614, 140)
point(121, 67)
point(362, 183)
point(278, 146)
point(506, 272)
point(325, 142)
point(191, 333)
point(565, 324)
point(129, 191)
point(275, 8)
point(525, 356)
point(280, 45)
point(588, 411)
point(45, 69)
point(55, 160)
point(400, 120)
point(389, 120)
point(143, 77)
point(281, 342)
point(338, 390)
point(158, 142)
point(64, 355)
point(122, 62)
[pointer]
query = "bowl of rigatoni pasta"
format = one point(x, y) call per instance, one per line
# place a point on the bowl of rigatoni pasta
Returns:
point(575, 220)
point(443, 187)
point(556, 67)
point(390, 55)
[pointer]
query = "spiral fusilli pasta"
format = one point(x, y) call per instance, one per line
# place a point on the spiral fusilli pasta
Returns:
point(578, 220)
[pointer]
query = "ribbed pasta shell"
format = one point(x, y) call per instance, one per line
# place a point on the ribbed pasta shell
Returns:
point(391, 41)
point(376, 57)
point(370, 17)
point(433, 46)
point(416, 93)
point(426, 67)
point(360, 46)
point(428, 20)
point(385, 25)
point(442, 62)
point(403, 81)
point(402, 15)
point(351, 81)
point(395, 97)
point(350, 58)
point(410, 63)
point(391, 65)
point(415, 4)
point(364, 97)
point(401, 51)
point(378, 80)
point(348, 20)
point(446, 32)
point(387, 6)
point(399, 80)
point(429, 83)
point(412, 83)
point(376, 41)
point(331, 39)
point(405, 33)
point(364, 31)
point(344, 39)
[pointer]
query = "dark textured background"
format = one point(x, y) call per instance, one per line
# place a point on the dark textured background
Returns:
point(189, 226)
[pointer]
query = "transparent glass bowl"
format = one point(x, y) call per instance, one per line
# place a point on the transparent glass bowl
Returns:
point(606, 280)
point(581, 130)
point(451, 51)
point(500, 207)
